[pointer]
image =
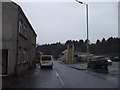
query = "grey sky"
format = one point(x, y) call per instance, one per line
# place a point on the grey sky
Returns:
point(61, 21)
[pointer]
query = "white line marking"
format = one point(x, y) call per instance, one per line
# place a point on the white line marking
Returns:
point(59, 77)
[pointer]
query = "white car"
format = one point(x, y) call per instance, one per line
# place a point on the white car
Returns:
point(46, 60)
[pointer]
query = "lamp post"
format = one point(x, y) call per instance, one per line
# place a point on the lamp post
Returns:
point(87, 23)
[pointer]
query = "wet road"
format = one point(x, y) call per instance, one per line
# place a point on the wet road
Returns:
point(61, 76)
point(111, 74)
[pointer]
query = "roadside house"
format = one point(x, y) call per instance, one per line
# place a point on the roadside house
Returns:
point(64, 55)
point(18, 40)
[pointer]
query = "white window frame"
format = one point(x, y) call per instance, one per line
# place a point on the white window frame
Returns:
point(20, 26)
point(25, 31)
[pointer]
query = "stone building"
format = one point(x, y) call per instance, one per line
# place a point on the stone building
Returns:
point(18, 40)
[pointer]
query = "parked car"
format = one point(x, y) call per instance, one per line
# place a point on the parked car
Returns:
point(97, 61)
point(116, 59)
point(46, 60)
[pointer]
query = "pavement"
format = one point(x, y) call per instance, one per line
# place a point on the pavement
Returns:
point(81, 66)
point(9, 79)
point(6, 80)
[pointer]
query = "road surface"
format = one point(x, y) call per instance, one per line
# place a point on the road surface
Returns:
point(61, 76)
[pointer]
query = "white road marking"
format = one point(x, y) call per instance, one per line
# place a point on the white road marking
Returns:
point(59, 77)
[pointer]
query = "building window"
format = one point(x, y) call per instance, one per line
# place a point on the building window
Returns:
point(22, 29)
point(33, 40)
point(25, 31)
point(24, 57)
point(19, 56)
point(20, 26)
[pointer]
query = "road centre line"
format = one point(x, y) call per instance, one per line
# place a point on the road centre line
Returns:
point(59, 77)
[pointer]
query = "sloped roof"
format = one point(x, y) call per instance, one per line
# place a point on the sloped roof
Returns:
point(20, 9)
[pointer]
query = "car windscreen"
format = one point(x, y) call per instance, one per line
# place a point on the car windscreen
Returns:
point(46, 58)
point(101, 58)
point(91, 58)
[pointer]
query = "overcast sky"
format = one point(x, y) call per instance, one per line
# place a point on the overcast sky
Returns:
point(61, 21)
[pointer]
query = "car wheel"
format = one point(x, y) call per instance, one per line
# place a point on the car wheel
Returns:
point(51, 67)
point(88, 66)
point(106, 67)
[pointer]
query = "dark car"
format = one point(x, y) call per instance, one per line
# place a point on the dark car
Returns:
point(97, 61)
point(116, 59)
point(109, 61)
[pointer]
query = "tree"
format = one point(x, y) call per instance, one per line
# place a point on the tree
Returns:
point(104, 47)
point(103, 40)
